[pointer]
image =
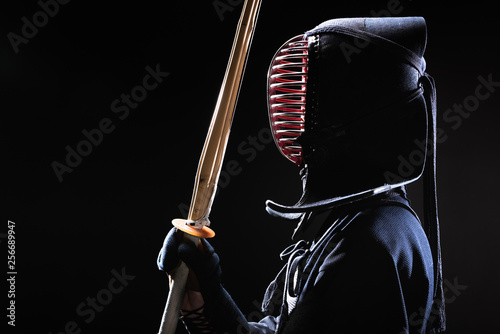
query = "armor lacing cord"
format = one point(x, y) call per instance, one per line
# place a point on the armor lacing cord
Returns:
point(195, 321)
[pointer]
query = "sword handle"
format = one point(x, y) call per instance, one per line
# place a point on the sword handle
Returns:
point(175, 297)
point(178, 280)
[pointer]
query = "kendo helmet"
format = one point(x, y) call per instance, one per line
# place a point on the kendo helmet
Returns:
point(346, 104)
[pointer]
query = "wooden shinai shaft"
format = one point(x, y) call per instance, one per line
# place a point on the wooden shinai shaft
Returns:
point(211, 159)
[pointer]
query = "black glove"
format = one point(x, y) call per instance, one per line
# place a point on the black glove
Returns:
point(220, 312)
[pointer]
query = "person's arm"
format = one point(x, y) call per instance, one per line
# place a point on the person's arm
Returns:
point(207, 307)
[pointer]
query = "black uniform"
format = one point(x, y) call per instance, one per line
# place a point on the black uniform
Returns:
point(361, 268)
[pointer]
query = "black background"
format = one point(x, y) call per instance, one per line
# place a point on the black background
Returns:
point(114, 209)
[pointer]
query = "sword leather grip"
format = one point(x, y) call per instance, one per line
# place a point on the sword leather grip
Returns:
point(174, 301)
point(178, 280)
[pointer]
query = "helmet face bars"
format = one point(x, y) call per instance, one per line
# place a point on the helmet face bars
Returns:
point(286, 91)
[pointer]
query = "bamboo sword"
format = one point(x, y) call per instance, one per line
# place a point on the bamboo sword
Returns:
point(197, 223)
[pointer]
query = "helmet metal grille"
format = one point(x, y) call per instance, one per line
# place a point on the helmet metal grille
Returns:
point(287, 78)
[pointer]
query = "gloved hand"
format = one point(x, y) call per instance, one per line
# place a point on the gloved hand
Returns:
point(219, 310)
point(201, 260)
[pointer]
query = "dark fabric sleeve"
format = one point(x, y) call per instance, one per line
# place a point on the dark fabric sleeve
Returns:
point(370, 280)
point(265, 326)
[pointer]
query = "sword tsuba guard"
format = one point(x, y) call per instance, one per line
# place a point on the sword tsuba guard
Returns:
point(198, 228)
